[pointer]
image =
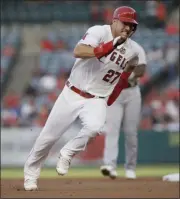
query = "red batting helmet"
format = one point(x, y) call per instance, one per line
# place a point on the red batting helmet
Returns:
point(126, 14)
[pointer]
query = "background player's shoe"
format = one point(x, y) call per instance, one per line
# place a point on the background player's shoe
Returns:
point(30, 185)
point(63, 165)
point(130, 174)
point(108, 170)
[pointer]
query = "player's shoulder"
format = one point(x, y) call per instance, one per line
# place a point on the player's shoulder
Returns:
point(98, 29)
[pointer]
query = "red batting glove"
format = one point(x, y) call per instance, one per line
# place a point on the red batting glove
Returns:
point(123, 83)
point(105, 49)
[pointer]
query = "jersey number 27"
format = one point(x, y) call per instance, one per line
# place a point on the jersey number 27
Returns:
point(111, 76)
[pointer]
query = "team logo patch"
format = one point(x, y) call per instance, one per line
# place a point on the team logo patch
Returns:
point(122, 50)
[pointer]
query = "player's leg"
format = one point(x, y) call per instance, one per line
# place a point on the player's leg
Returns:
point(62, 115)
point(112, 131)
point(93, 117)
point(131, 121)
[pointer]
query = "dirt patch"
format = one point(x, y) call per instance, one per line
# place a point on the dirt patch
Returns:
point(92, 188)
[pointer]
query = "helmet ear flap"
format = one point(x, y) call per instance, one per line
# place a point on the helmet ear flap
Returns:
point(134, 27)
point(133, 30)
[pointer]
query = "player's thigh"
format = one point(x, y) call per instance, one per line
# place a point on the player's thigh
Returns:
point(114, 118)
point(132, 113)
point(60, 117)
point(93, 114)
point(73, 130)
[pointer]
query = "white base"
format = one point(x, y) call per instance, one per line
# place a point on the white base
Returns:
point(171, 177)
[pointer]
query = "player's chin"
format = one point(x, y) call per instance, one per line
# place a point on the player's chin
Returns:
point(124, 36)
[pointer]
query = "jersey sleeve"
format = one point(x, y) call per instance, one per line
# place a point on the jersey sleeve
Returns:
point(141, 55)
point(92, 37)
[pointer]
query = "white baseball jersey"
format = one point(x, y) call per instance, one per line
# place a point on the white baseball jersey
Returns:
point(99, 77)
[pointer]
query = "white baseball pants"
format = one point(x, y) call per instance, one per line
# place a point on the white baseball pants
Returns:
point(68, 107)
point(127, 108)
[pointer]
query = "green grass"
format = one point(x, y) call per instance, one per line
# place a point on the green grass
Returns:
point(92, 172)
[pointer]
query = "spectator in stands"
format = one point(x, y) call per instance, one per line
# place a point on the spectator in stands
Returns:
point(47, 83)
point(172, 26)
point(95, 12)
point(42, 116)
point(157, 116)
point(10, 111)
point(155, 54)
point(28, 111)
point(151, 9)
point(161, 12)
point(156, 13)
point(172, 114)
point(171, 53)
point(108, 12)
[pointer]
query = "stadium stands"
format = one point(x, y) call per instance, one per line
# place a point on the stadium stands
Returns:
point(10, 42)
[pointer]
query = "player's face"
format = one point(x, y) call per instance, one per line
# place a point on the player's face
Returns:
point(123, 29)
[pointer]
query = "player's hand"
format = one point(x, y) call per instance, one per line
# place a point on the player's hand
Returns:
point(119, 40)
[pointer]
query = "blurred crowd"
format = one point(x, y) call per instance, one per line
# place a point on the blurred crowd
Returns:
point(160, 110)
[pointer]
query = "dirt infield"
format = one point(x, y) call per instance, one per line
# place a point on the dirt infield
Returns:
point(92, 188)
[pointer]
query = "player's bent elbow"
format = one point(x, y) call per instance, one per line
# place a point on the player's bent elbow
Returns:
point(83, 51)
point(76, 52)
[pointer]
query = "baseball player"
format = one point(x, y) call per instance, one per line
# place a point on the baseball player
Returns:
point(100, 71)
point(126, 108)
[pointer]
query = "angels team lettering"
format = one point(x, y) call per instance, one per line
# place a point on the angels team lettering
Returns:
point(112, 75)
point(118, 59)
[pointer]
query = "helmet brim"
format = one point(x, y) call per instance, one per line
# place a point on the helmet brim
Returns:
point(124, 19)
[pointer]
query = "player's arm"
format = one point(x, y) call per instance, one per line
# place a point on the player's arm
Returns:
point(142, 63)
point(90, 45)
point(83, 51)
point(139, 70)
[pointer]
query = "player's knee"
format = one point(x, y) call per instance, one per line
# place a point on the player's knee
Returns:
point(95, 128)
point(130, 131)
point(131, 140)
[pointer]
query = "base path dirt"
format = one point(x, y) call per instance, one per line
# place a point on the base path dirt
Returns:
point(92, 188)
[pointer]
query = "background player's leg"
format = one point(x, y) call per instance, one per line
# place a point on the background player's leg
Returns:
point(131, 121)
point(93, 117)
point(61, 116)
point(112, 131)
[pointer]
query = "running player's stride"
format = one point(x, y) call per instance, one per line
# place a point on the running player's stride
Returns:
point(106, 56)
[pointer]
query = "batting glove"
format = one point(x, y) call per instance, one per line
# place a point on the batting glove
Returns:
point(105, 49)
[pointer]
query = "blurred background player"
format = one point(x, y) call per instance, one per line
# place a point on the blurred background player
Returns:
point(127, 110)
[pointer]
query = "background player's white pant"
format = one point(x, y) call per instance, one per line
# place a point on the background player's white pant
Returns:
point(126, 108)
point(69, 106)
